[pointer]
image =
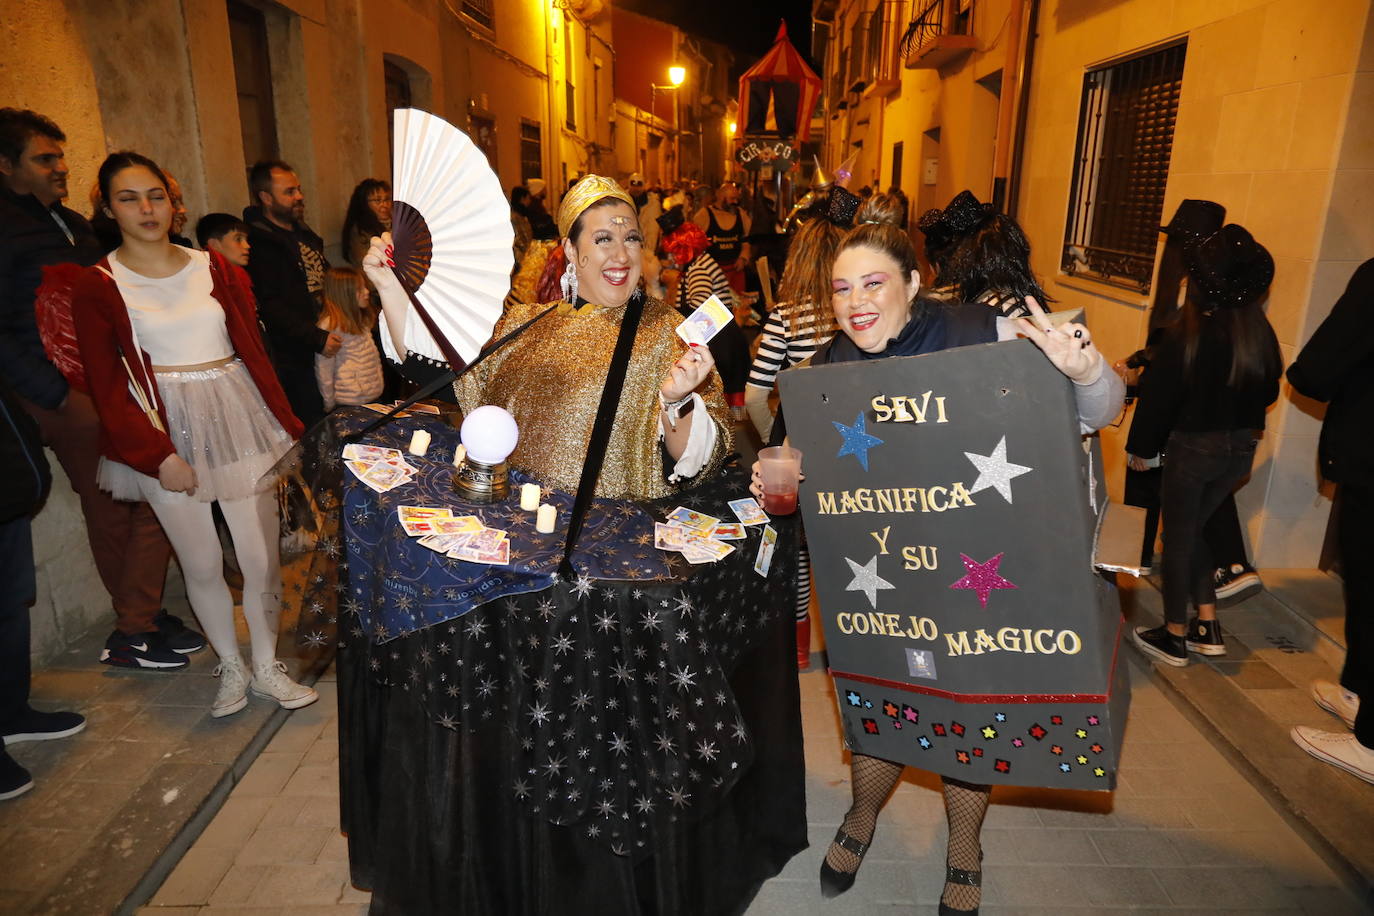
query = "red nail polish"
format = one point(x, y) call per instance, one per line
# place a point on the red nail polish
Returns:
point(390, 263)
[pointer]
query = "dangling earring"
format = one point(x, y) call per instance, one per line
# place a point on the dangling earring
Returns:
point(569, 284)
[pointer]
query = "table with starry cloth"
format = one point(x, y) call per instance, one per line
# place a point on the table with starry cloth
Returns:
point(511, 742)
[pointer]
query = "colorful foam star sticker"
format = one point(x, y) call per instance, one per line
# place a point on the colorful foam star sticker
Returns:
point(1017, 742)
point(856, 440)
point(938, 729)
point(853, 698)
point(1093, 720)
point(924, 742)
point(989, 732)
point(1037, 731)
point(910, 714)
point(1064, 768)
point(1098, 771)
point(870, 726)
point(963, 757)
point(982, 578)
point(1002, 766)
point(957, 728)
point(1081, 733)
point(1056, 720)
point(890, 709)
point(995, 470)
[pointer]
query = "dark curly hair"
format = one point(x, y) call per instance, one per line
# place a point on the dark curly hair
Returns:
point(18, 125)
point(995, 257)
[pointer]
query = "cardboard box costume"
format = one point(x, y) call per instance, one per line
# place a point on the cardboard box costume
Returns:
point(951, 508)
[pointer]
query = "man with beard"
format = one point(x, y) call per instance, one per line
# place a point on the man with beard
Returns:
point(287, 269)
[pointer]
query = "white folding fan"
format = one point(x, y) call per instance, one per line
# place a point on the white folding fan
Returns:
point(452, 235)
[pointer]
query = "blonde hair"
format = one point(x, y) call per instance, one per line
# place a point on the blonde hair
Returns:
point(342, 310)
point(805, 288)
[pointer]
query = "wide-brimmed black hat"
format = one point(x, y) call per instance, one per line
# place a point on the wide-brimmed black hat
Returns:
point(1195, 219)
point(672, 220)
point(1228, 268)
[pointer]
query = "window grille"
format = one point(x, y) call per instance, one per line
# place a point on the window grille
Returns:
point(531, 151)
point(480, 11)
point(1125, 137)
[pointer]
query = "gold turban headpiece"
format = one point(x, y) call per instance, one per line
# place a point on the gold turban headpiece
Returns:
point(585, 193)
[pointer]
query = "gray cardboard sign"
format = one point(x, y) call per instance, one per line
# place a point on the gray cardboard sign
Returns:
point(950, 506)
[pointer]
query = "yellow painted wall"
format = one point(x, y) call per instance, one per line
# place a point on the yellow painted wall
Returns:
point(1266, 96)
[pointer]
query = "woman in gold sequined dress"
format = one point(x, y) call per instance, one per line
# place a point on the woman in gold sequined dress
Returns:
point(551, 377)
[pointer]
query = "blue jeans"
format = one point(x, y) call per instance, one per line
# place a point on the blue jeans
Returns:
point(1200, 472)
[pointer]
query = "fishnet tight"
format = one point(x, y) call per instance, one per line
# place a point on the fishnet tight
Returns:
point(872, 781)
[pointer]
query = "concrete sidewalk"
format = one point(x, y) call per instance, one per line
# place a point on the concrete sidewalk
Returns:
point(1184, 833)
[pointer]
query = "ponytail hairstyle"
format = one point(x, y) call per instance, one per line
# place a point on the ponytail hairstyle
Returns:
point(118, 162)
point(343, 309)
point(878, 225)
point(994, 258)
point(805, 288)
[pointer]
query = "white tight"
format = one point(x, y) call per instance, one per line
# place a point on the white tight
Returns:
point(253, 527)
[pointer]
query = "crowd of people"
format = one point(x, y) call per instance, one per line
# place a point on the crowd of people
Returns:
point(194, 368)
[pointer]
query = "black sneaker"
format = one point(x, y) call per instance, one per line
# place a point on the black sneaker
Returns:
point(32, 725)
point(141, 650)
point(178, 636)
point(1161, 644)
point(14, 779)
point(1204, 637)
point(1235, 583)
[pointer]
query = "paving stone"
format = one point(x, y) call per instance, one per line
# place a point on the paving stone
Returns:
point(285, 811)
point(314, 781)
point(1251, 675)
point(1238, 887)
point(1123, 887)
point(163, 723)
point(268, 774)
point(1059, 846)
point(45, 855)
point(96, 803)
point(223, 740)
point(126, 762)
point(106, 720)
point(194, 878)
point(155, 909)
point(283, 846)
point(323, 752)
point(197, 690)
point(291, 885)
point(1140, 848)
point(234, 823)
point(238, 885)
point(297, 734)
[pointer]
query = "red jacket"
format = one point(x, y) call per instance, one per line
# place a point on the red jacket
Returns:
point(104, 333)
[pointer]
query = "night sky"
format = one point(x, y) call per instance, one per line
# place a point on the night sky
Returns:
point(746, 26)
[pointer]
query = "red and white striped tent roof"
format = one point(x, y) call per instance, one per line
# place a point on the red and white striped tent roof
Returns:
point(782, 63)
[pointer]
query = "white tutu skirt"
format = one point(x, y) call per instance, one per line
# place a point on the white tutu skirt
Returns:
point(220, 426)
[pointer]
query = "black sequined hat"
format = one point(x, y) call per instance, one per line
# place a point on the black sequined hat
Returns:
point(965, 214)
point(671, 221)
point(841, 207)
point(1195, 219)
point(1228, 268)
point(933, 227)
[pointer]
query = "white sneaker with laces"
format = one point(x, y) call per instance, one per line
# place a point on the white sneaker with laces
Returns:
point(1338, 749)
point(233, 687)
point(271, 681)
point(1336, 700)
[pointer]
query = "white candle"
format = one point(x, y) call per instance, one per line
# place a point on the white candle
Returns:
point(546, 518)
point(459, 454)
point(529, 496)
point(419, 443)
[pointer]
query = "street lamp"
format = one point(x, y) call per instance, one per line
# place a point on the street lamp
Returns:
point(676, 77)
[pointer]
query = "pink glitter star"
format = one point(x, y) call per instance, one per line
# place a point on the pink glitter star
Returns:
point(982, 577)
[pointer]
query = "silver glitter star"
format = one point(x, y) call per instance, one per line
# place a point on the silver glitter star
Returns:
point(867, 580)
point(995, 470)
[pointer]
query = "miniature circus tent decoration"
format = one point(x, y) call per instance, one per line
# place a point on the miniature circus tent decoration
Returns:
point(452, 237)
point(778, 93)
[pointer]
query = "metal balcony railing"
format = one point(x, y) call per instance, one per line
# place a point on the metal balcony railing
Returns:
point(934, 20)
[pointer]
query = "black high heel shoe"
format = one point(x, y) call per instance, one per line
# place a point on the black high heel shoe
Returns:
point(968, 879)
point(833, 882)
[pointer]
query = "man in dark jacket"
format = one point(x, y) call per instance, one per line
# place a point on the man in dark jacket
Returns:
point(128, 545)
point(1337, 365)
point(27, 478)
point(287, 268)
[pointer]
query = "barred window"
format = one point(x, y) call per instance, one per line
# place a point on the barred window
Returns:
point(531, 151)
point(1125, 136)
point(480, 11)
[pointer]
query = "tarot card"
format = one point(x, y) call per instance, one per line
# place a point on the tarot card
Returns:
point(486, 540)
point(420, 407)
point(369, 452)
point(698, 555)
point(705, 322)
point(419, 512)
point(462, 524)
point(669, 537)
point(728, 531)
point(717, 549)
point(383, 477)
point(748, 511)
point(697, 521)
point(444, 543)
point(765, 558)
point(419, 527)
point(498, 556)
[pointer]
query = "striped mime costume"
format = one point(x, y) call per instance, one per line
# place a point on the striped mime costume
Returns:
point(789, 336)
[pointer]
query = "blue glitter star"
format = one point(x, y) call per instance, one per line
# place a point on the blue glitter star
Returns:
point(924, 742)
point(852, 697)
point(1064, 767)
point(857, 441)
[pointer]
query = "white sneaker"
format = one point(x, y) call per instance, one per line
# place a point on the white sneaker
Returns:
point(1339, 750)
point(1336, 700)
point(233, 687)
point(270, 680)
